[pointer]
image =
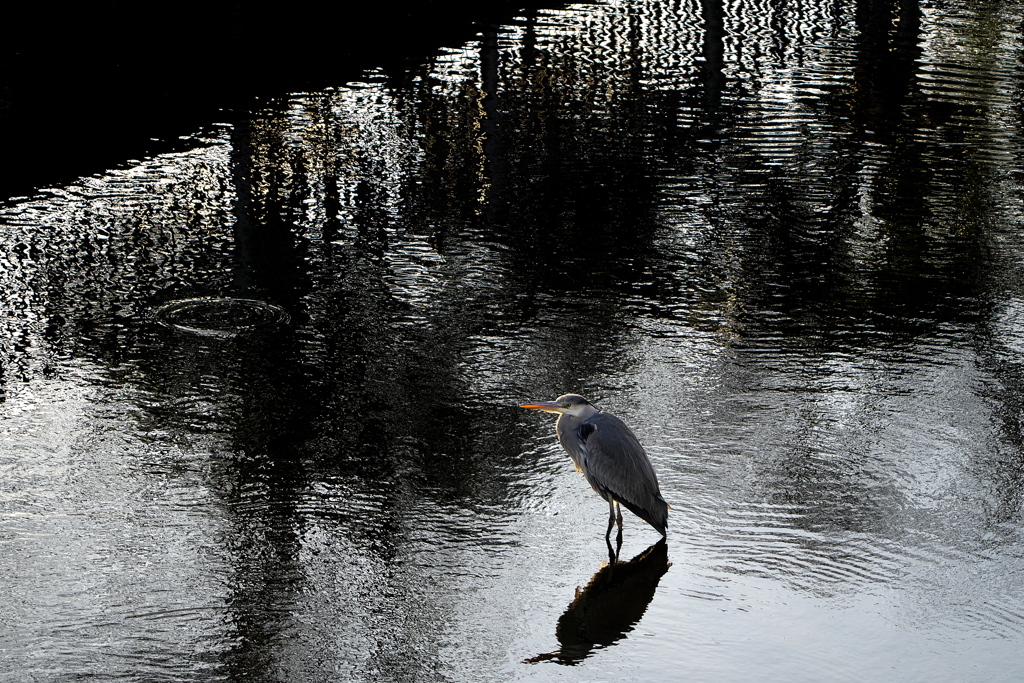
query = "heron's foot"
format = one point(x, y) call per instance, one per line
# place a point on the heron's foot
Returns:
point(613, 553)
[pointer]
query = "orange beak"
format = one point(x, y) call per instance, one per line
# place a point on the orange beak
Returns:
point(546, 406)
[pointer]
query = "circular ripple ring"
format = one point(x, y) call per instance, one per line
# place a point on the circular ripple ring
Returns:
point(220, 316)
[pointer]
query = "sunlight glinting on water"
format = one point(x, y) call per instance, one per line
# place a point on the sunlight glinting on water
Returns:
point(109, 541)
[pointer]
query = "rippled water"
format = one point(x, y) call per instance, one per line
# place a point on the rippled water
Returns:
point(259, 395)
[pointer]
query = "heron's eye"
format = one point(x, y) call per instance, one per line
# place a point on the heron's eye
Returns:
point(564, 405)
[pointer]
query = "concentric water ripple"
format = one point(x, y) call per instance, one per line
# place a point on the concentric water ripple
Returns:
point(220, 317)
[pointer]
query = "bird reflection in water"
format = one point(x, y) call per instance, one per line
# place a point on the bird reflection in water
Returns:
point(608, 607)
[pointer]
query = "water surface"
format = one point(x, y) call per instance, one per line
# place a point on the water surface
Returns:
point(259, 395)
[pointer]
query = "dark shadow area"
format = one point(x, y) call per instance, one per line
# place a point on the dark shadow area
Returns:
point(608, 607)
point(83, 87)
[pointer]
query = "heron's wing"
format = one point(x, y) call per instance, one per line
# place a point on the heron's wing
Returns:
point(617, 466)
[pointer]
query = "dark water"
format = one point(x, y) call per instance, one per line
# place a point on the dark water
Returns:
point(259, 395)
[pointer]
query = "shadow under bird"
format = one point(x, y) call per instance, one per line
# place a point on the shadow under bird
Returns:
point(610, 456)
point(608, 607)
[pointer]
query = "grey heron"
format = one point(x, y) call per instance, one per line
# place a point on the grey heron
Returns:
point(610, 456)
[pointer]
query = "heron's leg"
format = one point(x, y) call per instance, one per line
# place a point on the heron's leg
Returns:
point(618, 518)
point(613, 555)
point(611, 517)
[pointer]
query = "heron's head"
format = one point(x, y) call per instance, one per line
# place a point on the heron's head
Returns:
point(570, 404)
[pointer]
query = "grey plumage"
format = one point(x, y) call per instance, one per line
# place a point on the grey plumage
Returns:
point(610, 457)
